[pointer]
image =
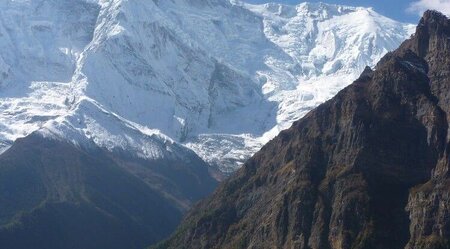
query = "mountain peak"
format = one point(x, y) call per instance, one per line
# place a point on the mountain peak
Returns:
point(187, 70)
point(433, 23)
point(431, 35)
point(433, 16)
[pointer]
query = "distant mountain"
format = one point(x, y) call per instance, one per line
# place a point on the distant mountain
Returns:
point(221, 77)
point(369, 168)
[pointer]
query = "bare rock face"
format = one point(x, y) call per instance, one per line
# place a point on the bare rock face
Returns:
point(367, 169)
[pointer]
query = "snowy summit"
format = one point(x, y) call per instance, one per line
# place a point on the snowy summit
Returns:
point(156, 78)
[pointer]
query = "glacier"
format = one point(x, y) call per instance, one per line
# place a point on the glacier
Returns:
point(159, 78)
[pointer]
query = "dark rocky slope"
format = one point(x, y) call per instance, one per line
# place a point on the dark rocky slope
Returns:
point(367, 169)
point(54, 195)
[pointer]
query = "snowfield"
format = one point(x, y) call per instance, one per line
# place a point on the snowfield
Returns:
point(220, 77)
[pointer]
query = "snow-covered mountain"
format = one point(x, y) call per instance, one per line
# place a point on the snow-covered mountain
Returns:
point(218, 76)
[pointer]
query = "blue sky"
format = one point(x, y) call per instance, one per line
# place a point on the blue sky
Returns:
point(395, 9)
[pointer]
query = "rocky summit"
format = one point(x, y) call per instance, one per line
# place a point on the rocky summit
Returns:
point(367, 169)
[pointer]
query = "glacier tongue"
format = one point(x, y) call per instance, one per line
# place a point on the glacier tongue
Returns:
point(220, 77)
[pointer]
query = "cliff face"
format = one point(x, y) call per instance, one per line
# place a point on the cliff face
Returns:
point(367, 169)
point(429, 203)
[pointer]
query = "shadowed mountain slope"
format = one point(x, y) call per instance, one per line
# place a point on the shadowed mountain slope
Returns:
point(56, 195)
